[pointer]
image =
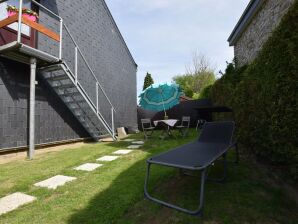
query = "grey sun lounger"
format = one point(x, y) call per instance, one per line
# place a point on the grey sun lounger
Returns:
point(214, 142)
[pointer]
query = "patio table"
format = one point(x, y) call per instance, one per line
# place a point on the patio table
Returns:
point(167, 124)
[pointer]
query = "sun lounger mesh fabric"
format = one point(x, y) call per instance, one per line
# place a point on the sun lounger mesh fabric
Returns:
point(217, 132)
point(214, 141)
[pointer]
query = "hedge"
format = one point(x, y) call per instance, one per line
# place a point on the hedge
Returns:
point(264, 97)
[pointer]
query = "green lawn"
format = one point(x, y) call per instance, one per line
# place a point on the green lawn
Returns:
point(114, 192)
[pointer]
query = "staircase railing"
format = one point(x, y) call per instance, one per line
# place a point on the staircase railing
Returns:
point(98, 87)
point(77, 53)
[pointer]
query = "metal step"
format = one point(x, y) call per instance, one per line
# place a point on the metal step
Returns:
point(64, 86)
point(71, 100)
point(58, 78)
point(69, 94)
point(92, 131)
point(51, 68)
point(76, 106)
point(67, 91)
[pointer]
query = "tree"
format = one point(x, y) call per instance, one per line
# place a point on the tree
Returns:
point(148, 81)
point(200, 63)
point(199, 75)
point(185, 82)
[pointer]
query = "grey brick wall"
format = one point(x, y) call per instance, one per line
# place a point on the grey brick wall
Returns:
point(99, 39)
point(260, 29)
point(54, 122)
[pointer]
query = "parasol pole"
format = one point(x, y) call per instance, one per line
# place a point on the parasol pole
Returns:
point(163, 104)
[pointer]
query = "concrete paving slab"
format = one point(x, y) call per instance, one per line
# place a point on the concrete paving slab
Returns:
point(88, 166)
point(138, 143)
point(122, 152)
point(107, 158)
point(13, 201)
point(54, 182)
point(134, 146)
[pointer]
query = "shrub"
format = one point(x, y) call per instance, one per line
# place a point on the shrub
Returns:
point(264, 97)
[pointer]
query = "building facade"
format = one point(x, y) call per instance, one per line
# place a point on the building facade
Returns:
point(255, 26)
point(94, 30)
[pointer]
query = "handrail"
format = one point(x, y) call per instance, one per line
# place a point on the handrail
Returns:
point(45, 8)
point(85, 60)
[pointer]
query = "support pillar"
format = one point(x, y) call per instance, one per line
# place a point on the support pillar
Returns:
point(32, 108)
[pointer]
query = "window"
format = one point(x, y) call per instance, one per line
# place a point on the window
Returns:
point(3, 14)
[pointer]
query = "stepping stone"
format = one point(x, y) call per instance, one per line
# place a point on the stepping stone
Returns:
point(122, 152)
point(88, 166)
point(13, 201)
point(128, 140)
point(138, 143)
point(107, 158)
point(134, 146)
point(54, 182)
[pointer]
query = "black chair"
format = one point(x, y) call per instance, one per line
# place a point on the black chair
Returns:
point(213, 143)
point(183, 128)
point(147, 128)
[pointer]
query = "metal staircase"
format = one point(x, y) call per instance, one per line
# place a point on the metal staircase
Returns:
point(61, 79)
point(94, 111)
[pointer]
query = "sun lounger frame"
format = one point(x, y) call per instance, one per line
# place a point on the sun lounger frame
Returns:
point(203, 177)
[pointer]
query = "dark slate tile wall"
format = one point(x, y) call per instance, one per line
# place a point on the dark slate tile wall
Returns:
point(100, 41)
point(54, 122)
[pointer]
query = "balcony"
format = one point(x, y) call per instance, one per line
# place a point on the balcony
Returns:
point(15, 45)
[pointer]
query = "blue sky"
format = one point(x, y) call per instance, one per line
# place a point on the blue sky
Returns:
point(162, 35)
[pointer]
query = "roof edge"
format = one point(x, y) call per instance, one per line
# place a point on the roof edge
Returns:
point(118, 31)
point(250, 11)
